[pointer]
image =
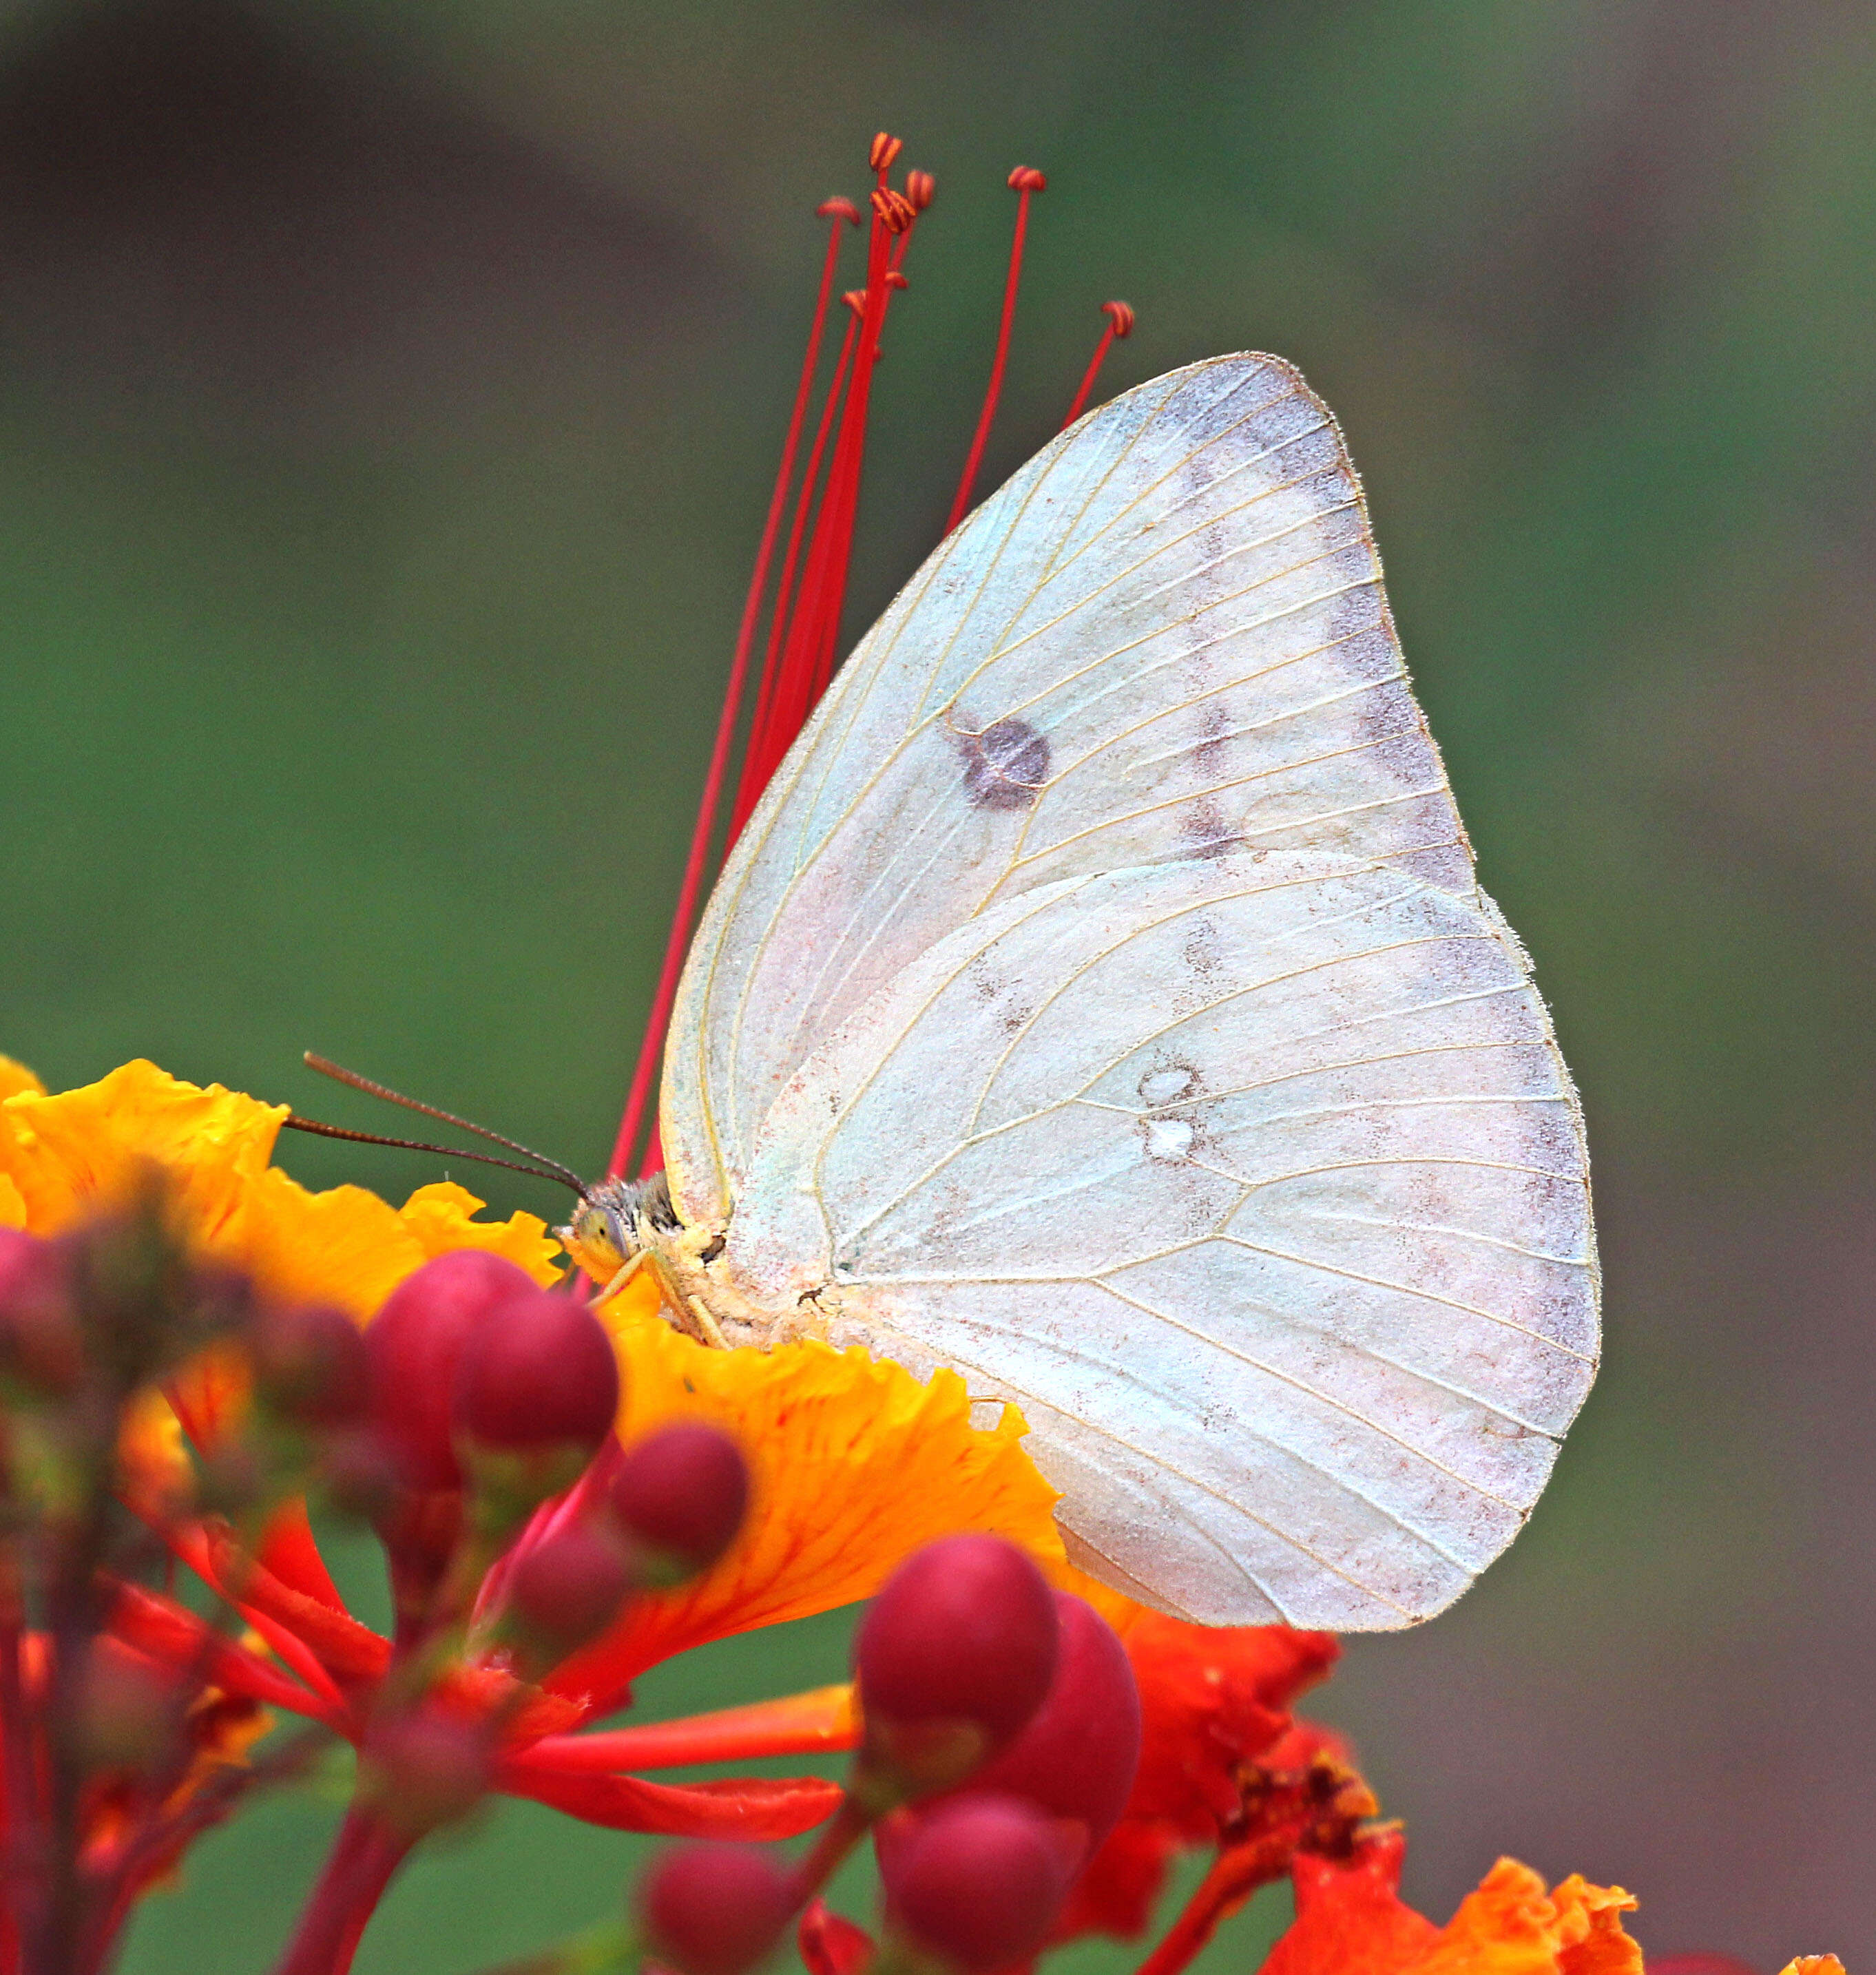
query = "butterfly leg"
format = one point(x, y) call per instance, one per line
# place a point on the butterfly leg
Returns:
point(626, 1271)
point(707, 1325)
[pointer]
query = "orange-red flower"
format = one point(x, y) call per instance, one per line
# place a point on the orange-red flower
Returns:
point(1350, 1917)
point(1215, 1707)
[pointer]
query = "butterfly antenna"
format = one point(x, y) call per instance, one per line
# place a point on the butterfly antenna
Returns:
point(546, 1168)
point(547, 1171)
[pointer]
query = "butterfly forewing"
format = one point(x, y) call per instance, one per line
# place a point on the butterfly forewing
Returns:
point(1101, 1002)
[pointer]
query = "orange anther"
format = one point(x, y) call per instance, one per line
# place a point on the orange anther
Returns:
point(1121, 316)
point(838, 209)
point(895, 280)
point(883, 149)
point(894, 209)
point(1025, 178)
point(920, 189)
point(855, 300)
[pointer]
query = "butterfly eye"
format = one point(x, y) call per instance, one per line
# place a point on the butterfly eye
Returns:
point(599, 1237)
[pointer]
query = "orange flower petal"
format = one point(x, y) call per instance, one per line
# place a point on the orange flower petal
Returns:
point(65, 1156)
point(15, 1077)
point(823, 1719)
point(853, 1465)
point(747, 1807)
point(1211, 1699)
point(1349, 1918)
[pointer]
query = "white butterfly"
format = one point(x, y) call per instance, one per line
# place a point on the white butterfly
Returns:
point(1102, 1001)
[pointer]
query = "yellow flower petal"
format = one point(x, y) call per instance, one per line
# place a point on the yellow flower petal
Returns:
point(853, 1465)
point(65, 1156)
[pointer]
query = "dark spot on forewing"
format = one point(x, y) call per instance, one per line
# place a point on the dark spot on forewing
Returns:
point(1006, 766)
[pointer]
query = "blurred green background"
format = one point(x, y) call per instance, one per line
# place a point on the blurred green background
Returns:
point(388, 395)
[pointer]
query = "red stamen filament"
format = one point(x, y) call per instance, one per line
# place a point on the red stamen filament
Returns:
point(1120, 323)
point(650, 1048)
point(799, 657)
point(1025, 181)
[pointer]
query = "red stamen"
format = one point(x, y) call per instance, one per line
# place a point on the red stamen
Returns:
point(1119, 324)
point(757, 767)
point(651, 1048)
point(1024, 180)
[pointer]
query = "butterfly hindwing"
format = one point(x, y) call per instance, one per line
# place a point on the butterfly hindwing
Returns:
point(1257, 1185)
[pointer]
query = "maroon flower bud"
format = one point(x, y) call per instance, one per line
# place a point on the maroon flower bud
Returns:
point(715, 1909)
point(310, 1363)
point(39, 1343)
point(413, 1346)
point(422, 1770)
point(1075, 1760)
point(361, 1475)
point(541, 1376)
point(953, 1657)
point(980, 1884)
point(682, 1493)
point(129, 1711)
point(567, 1589)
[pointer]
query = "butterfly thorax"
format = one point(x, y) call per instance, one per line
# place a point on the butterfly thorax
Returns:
point(623, 1227)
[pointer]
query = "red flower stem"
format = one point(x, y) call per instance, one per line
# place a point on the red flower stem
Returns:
point(850, 1823)
point(651, 1047)
point(1089, 374)
point(363, 1858)
point(961, 502)
point(1236, 1873)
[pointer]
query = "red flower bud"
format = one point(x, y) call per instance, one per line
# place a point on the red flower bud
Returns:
point(980, 1884)
point(953, 1658)
point(566, 1588)
point(413, 1346)
point(1075, 1760)
point(40, 1342)
point(682, 1492)
point(715, 1909)
point(541, 1374)
point(311, 1364)
point(422, 1770)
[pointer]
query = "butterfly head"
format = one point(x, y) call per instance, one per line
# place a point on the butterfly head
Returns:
point(608, 1227)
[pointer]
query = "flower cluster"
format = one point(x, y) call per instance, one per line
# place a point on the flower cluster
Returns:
point(194, 1347)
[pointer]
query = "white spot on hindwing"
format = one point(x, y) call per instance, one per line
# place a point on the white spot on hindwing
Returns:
point(1169, 1138)
point(1167, 1086)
